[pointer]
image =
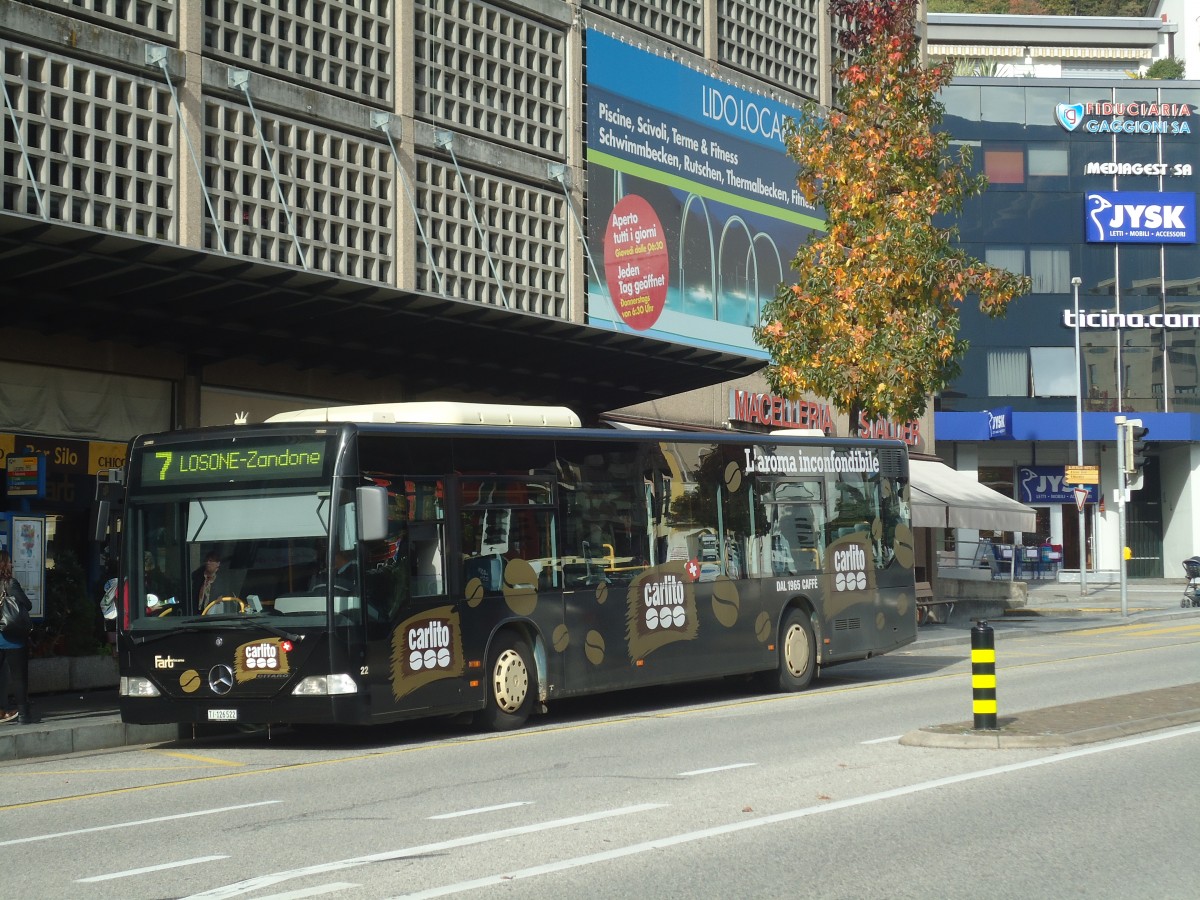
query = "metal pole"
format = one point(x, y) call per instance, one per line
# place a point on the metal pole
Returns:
point(1122, 494)
point(1075, 282)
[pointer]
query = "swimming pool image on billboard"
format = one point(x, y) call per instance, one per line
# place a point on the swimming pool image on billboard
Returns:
point(692, 207)
point(721, 264)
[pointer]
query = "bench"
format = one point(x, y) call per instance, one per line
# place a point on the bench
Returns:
point(928, 606)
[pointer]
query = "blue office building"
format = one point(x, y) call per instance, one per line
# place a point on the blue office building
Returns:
point(1092, 180)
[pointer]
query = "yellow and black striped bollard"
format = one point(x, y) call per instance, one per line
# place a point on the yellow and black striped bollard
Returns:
point(983, 675)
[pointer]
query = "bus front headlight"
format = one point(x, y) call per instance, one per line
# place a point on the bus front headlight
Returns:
point(325, 686)
point(136, 686)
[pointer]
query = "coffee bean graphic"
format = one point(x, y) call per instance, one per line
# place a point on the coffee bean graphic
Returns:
point(520, 587)
point(474, 591)
point(190, 680)
point(725, 602)
point(561, 638)
point(602, 592)
point(593, 648)
point(762, 627)
point(733, 477)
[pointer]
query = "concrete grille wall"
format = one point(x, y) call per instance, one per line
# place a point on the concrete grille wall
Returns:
point(339, 188)
point(678, 21)
point(503, 79)
point(526, 229)
point(344, 45)
point(492, 72)
point(772, 39)
point(150, 17)
point(101, 143)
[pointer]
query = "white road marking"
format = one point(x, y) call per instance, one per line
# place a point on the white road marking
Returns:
point(714, 769)
point(187, 815)
point(311, 892)
point(482, 809)
point(716, 831)
point(262, 881)
point(894, 737)
point(142, 871)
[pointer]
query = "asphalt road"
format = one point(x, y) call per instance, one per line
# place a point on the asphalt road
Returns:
point(708, 791)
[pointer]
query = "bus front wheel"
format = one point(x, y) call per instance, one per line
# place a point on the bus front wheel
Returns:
point(511, 684)
point(797, 654)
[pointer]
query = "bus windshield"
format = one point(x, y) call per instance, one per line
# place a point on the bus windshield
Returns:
point(207, 557)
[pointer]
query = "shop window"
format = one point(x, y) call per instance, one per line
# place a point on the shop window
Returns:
point(1053, 370)
point(1004, 166)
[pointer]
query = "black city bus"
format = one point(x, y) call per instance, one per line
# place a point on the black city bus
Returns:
point(369, 571)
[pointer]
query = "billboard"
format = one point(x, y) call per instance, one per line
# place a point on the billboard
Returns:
point(693, 211)
point(1140, 217)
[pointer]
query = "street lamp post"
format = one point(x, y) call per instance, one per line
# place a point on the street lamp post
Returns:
point(1075, 282)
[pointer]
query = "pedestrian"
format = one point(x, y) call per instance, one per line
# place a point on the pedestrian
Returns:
point(14, 651)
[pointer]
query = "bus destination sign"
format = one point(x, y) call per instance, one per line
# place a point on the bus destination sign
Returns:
point(232, 463)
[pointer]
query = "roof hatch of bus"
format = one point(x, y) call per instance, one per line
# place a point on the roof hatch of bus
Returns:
point(438, 413)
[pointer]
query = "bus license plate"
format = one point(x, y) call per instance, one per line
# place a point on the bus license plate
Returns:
point(222, 715)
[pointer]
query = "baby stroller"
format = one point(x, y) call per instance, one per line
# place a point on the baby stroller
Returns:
point(1191, 590)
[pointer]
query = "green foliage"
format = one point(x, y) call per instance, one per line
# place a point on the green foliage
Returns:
point(977, 7)
point(974, 68)
point(1167, 69)
point(872, 320)
point(72, 622)
point(1042, 7)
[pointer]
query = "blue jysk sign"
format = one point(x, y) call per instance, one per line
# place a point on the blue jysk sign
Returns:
point(999, 423)
point(1140, 217)
point(1048, 484)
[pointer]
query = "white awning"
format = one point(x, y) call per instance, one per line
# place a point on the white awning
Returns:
point(944, 498)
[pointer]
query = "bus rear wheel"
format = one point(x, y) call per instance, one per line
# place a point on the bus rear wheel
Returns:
point(797, 654)
point(511, 680)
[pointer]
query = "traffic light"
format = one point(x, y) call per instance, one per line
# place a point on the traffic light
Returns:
point(1137, 446)
point(1134, 435)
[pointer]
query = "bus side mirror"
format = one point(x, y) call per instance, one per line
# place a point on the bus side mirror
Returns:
point(100, 523)
point(372, 513)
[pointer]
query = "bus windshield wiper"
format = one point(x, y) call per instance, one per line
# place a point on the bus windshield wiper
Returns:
point(158, 636)
point(242, 621)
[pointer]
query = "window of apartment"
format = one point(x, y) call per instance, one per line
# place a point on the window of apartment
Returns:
point(1011, 259)
point(1053, 371)
point(1047, 160)
point(1004, 165)
point(1008, 373)
point(1050, 268)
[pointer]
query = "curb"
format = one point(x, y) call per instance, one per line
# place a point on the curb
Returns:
point(31, 741)
point(962, 737)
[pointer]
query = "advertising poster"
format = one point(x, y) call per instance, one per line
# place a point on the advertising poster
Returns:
point(28, 554)
point(693, 212)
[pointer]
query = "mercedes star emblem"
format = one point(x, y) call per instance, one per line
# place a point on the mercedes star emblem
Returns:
point(220, 679)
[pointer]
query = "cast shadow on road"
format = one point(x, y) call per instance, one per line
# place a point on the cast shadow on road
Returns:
point(633, 703)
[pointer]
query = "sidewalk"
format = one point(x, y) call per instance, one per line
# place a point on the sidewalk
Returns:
point(75, 722)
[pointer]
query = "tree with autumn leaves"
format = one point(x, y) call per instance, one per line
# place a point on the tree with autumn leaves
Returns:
point(872, 321)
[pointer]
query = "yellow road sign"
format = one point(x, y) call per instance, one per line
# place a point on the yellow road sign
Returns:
point(1083, 475)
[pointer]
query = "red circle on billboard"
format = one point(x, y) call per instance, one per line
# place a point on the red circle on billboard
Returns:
point(636, 266)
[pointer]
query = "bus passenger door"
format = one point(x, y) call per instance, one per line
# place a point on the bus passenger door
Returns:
point(416, 659)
